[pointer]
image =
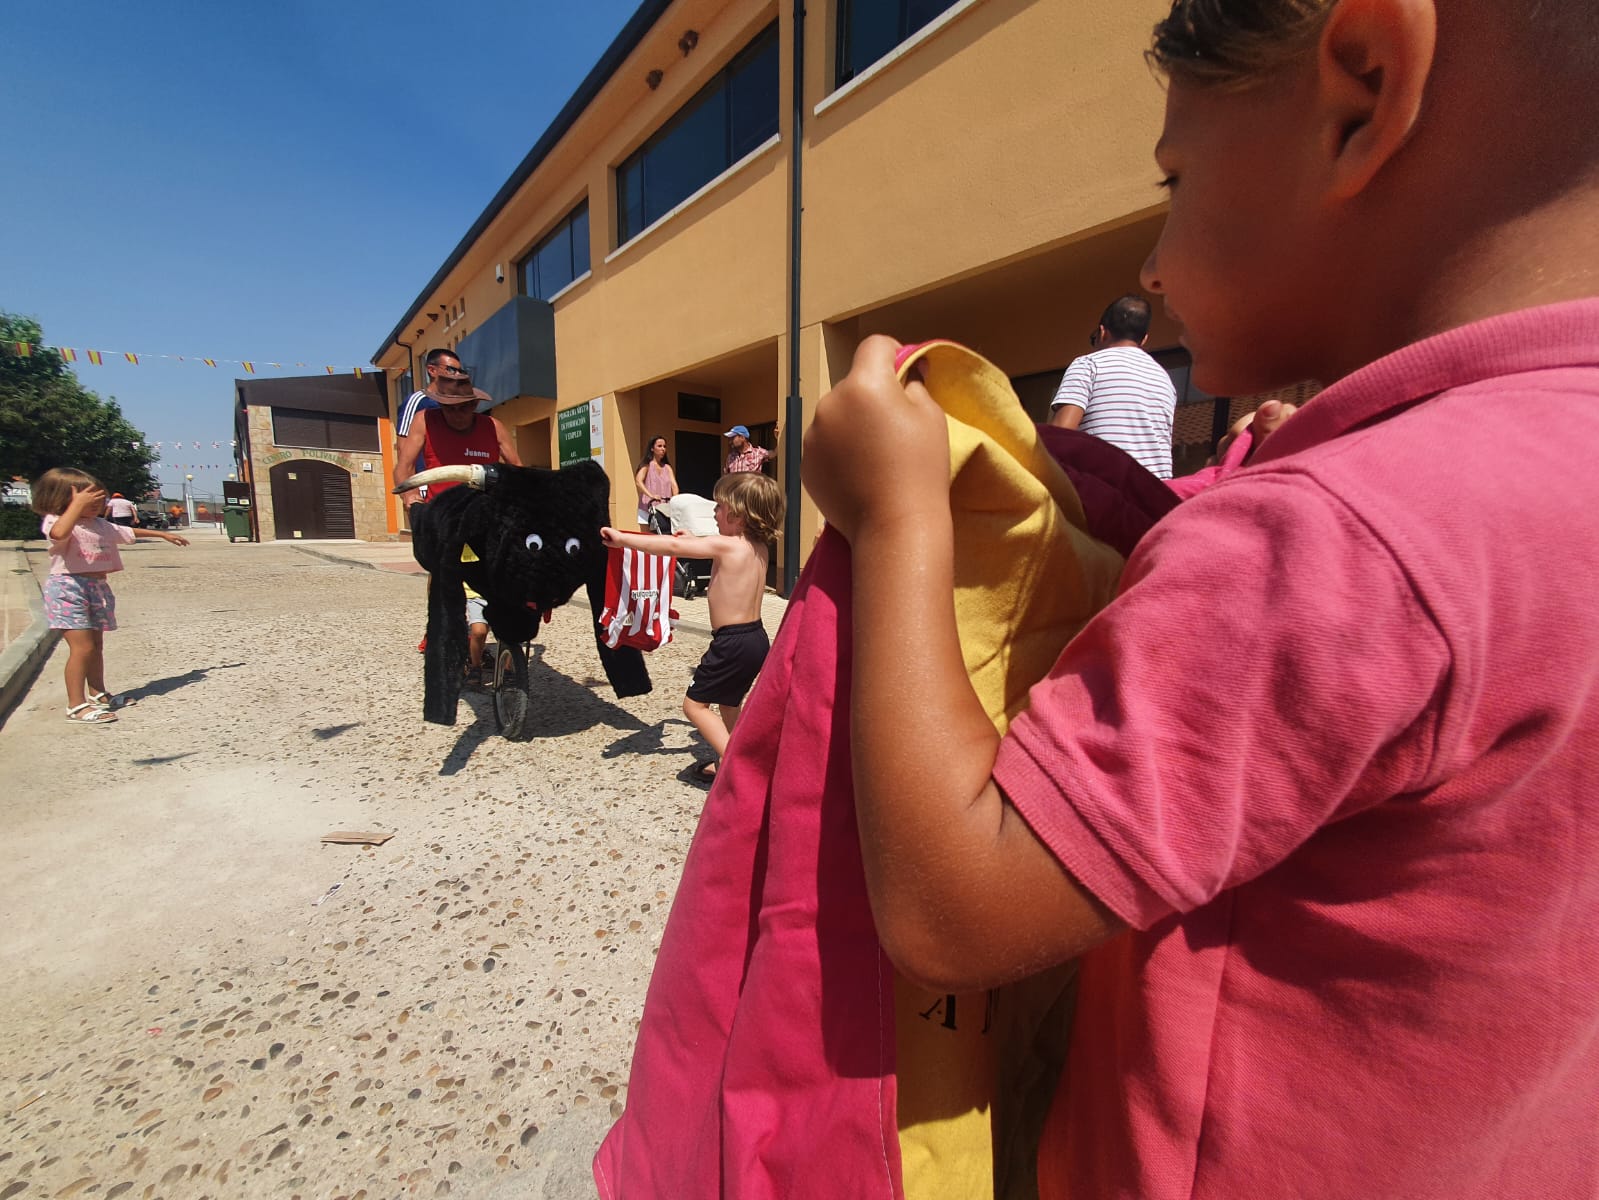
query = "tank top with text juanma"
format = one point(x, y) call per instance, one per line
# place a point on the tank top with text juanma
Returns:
point(445, 448)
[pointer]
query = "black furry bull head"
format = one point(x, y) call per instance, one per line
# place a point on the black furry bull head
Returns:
point(534, 539)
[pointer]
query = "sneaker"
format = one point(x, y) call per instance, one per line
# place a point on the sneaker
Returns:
point(473, 677)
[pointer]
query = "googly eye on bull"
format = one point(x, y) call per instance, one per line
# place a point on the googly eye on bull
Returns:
point(534, 542)
point(573, 545)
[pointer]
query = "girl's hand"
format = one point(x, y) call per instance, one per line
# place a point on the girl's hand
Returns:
point(88, 499)
point(176, 540)
point(608, 536)
point(869, 419)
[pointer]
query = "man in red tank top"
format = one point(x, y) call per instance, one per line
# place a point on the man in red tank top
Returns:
point(451, 435)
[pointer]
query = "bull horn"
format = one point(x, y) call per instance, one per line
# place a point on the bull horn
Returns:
point(472, 475)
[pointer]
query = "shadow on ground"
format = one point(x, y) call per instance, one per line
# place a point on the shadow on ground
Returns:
point(162, 687)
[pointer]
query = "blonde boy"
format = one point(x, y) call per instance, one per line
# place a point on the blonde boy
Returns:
point(749, 516)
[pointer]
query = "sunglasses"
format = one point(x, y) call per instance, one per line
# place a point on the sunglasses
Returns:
point(453, 371)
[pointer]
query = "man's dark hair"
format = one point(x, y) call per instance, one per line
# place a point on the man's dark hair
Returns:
point(1127, 319)
point(439, 355)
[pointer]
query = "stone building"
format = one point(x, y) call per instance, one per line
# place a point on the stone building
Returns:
point(314, 452)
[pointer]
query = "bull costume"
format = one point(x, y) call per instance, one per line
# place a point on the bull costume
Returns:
point(531, 538)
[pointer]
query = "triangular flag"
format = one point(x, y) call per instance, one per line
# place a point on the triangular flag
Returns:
point(330, 370)
point(131, 357)
point(279, 366)
point(67, 354)
point(23, 349)
point(210, 362)
point(94, 357)
point(358, 372)
point(249, 368)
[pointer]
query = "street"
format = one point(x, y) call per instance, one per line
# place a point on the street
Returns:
point(203, 999)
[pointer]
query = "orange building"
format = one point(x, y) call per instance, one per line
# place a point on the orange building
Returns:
point(976, 169)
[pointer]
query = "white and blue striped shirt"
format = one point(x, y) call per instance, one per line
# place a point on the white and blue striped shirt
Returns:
point(413, 407)
point(1127, 400)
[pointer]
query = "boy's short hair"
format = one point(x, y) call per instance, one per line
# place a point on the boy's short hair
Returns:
point(1127, 319)
point(1234, 43)
point(757, 499)
point(52, 491)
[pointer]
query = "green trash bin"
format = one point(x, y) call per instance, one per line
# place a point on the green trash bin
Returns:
point(236, 522)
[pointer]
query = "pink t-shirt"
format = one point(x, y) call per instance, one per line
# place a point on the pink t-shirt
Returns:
point(1333, 754)
point(90, 549)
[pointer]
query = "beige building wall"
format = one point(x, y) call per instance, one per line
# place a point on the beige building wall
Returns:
point(991, 181)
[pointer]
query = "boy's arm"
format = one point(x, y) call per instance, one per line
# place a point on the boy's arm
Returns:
point(963, 894)
point(659, 543)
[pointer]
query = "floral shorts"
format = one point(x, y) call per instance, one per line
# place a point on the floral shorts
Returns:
point(79, 602)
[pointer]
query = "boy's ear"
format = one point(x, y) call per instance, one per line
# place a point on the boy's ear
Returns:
point(1375, 59)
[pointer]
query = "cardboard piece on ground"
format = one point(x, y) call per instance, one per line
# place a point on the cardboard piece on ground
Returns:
point(349, 838)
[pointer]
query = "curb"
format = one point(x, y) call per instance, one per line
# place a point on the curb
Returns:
point(22, 660)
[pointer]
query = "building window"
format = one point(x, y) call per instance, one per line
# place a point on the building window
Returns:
point(869, 29)
point(323, 431)
point(730, 116)
point(561, 257)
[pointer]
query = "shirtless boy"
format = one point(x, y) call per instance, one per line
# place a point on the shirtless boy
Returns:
point(749, 515)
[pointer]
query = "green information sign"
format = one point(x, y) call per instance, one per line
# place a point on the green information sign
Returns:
point(580, 434)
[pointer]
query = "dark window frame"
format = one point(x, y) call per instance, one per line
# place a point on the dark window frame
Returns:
point(299, 428)
point(565, 226)
point(720, 85)
point(844, 69)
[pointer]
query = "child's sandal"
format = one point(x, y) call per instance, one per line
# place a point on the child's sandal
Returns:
point(111, 703)
point(90, 713)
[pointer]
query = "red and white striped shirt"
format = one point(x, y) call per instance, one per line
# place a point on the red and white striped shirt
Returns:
point(638, 599)
point(1127, 400)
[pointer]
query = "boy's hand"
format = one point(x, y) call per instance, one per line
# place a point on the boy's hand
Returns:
point(877, 453)
point(176, 540)
point(608, 536)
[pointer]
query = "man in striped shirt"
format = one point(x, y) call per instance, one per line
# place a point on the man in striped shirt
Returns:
point(439, 362)
point(1119, 393)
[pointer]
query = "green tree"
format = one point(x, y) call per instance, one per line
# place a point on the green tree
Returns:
point(49, 419)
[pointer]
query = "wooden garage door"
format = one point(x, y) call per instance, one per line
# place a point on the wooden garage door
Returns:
point(311, 499)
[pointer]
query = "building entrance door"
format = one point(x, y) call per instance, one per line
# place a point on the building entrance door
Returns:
point(699, 461)
point(311, 499)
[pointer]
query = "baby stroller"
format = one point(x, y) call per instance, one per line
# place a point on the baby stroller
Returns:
point(696, 516)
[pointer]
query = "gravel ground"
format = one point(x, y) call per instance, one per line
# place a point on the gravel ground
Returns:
point(203, 1000)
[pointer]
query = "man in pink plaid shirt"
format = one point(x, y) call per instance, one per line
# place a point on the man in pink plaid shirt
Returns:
point(744, 456)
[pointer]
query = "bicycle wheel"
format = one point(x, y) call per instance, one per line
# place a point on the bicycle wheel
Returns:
point(511, 698)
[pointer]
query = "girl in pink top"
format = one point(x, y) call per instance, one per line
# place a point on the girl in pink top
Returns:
point(77, 598)
point(655, 480)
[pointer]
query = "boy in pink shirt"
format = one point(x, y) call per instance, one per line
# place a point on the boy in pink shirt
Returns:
point(1313, 795)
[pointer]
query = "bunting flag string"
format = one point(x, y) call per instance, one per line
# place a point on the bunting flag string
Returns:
point(134, 358)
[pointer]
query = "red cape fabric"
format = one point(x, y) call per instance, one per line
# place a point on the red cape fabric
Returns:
point(764, 1066)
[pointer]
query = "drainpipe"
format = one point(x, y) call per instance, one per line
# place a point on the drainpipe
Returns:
point(794, 406)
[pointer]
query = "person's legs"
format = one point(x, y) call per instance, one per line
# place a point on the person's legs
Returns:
point(80, 649)
point(477, 635)
point(709, 722)
point(94, 667)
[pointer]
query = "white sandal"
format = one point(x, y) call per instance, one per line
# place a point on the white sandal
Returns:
point(90, 713)
point(111, 703)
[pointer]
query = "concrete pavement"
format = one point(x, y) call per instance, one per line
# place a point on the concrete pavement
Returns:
point(25, 641)
point(205, 999)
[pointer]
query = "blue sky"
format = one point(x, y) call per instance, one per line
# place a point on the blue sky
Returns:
point(273, 182)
